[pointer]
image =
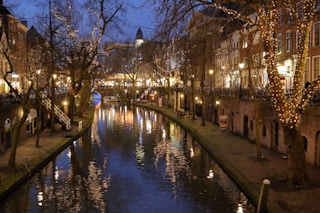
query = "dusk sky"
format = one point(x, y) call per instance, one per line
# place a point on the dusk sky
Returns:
point(138, 16)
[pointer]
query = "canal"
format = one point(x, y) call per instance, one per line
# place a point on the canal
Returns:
point(132, 160)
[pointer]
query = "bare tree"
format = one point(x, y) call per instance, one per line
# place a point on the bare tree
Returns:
point(39, 71)
point(23, 98)
point(127, 62)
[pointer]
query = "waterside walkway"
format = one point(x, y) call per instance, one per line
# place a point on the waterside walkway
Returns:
point(30, 159)
point(237, 156)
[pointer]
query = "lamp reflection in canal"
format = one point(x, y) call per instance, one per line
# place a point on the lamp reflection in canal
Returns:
point(40, 198)
point(176, 169)
point(191, 152)
point(95, 138)
point(211, 174)
point(56, 174)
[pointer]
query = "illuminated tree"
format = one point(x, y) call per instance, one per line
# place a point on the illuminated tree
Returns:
point(80, 30)
point(23, 98)
point(288, 109)
point(264, 15)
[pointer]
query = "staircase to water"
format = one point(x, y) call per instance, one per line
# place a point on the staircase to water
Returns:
point(60, 115)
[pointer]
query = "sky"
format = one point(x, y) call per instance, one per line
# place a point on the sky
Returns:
point(138, 15)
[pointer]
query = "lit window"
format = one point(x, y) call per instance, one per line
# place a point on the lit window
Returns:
point(316, 66)
point(245, 42)
point(279, 43)
point(280, 17)
point(316, 34)
point(288, 41)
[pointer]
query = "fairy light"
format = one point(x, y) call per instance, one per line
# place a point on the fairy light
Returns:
point(288, 109)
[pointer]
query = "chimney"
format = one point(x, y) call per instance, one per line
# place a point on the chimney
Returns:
point(24, 22)
point(1, 2)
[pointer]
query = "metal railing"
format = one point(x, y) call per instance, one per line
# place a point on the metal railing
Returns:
point(261, 94)
point(62, 117)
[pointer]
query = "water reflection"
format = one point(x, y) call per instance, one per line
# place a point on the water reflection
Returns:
point(132, 160)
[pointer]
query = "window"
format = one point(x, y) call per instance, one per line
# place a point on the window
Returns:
point(300, 10)
point(316, 66)
point(264, 131)
point(305, 143)
point(256, 60)
point(288, 16)
point(316, 34)
point(280, 18)
point(279, 43)
point(245, 42)
point(288, 41)
point(256, 37)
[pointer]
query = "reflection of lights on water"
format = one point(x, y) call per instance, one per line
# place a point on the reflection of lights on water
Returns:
point(191, 152)
point(69, 154)
point(56, 174)
point(140, 154)
point(239, 209)
point(148, 126)
point(164, 134)
point(210, 174)
point(40, 198)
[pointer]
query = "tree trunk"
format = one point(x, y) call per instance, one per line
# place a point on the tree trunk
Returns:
point(296, 156)
point(15, 139)
point(71, 106)
point(84, 93)
point(39, 123)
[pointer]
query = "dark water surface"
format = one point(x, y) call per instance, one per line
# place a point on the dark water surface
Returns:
point(133, 160)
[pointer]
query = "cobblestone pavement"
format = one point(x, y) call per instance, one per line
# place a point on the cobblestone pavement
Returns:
point(237, 156)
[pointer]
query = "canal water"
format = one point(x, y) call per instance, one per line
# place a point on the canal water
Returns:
point(132, 160)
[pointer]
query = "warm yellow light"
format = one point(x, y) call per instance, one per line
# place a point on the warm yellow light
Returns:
point(54, 76)
point(211, 72)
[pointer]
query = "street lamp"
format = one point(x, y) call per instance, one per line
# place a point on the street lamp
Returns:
point(211, 74)
point(192, 87)
point(241, 66)
point(54, 76)
point(38, 73)
point(39, 111)
point(210, 108)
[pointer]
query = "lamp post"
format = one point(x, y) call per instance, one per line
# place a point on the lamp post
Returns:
point(241, 66)
point(38, 73)
point(39, 119)
point(54, 76)
point(211, 74)
point(192, 87)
